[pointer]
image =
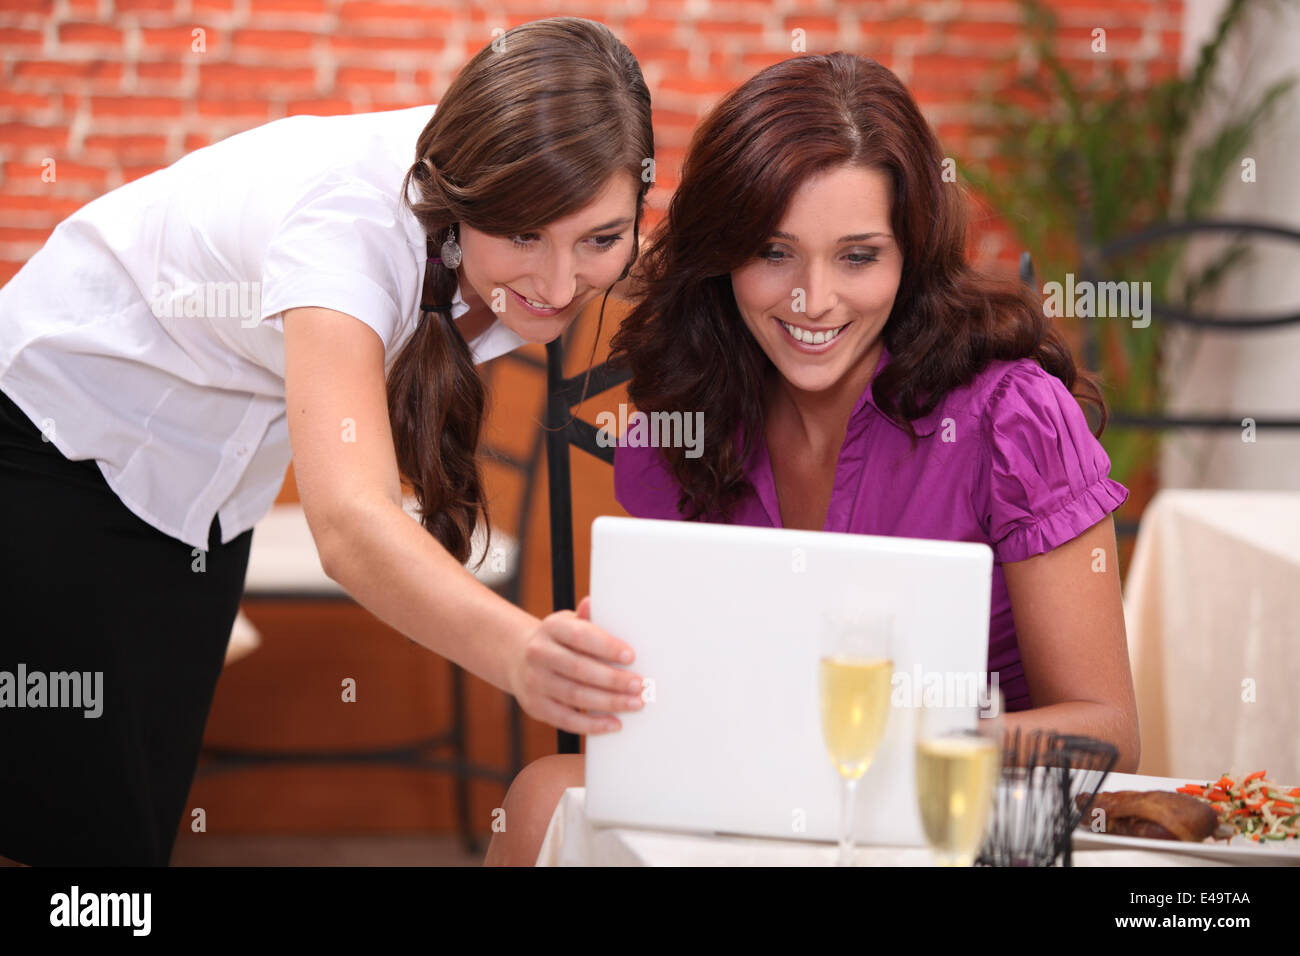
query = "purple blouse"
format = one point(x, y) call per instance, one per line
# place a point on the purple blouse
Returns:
point(1006, 460)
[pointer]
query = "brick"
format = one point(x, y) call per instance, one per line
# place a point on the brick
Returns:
point(142, 6)
point(17, 234)
point(32, 136)
point(169, 70)
point(1007, 34)
point(133, 146)
point(262, 80)
point(26, 101)
point(728, 28)
point(668, 59)
point(12, 36)
point(755, 61)
point(706, 86)
point(136, 172)
point(664, 118)
point(165, 77)
point(38, 70)
point(64, 170)
point(273, 39)
point(365, 76)
point(41, 207)
point(810, 23)
point(1171, 45)
point(379, 45)
point(255, 109)
point(408, 12)
point(381, 106)
point(89, 33)
point(321, 107)
point(293, 6)
point(644, 27)
point(136, 106)
point(180, 40)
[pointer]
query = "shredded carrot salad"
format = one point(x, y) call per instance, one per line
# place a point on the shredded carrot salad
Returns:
point(1257, 808)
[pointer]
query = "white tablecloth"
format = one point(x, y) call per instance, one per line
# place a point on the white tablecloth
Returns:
point(572, 840)
point(1212, 608)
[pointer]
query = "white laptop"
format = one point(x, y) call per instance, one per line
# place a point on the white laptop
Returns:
point(724, 621)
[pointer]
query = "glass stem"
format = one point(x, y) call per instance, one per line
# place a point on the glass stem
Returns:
point(848, 790)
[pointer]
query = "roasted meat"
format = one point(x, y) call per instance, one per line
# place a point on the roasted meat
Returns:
point(1156, 814)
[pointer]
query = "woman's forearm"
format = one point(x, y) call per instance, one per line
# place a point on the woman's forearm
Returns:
point(400, 573)
point(1087, 718)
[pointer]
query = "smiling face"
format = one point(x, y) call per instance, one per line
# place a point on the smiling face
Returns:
point(538, 282)
point(836, 244)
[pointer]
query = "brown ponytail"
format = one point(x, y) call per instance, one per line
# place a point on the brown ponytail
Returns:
point(528, 132)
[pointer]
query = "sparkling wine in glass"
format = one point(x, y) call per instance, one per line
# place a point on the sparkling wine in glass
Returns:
point(958, 765)
point(855, 676)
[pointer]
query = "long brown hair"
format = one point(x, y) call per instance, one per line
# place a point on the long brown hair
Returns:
point(685, 340)
point(529, 131)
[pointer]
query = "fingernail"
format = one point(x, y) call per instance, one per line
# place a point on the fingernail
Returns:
point(634, 687)
point(634, 703)
point(625, 657)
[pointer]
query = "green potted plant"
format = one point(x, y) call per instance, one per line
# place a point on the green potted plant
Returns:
point(1076, 163)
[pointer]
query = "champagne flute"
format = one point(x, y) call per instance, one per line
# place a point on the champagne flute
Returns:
point(958, 766)
point(855, 677)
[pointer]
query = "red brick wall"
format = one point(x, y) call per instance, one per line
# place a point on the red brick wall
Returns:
point(112, 89)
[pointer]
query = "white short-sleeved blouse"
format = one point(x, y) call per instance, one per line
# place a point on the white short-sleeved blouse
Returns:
point(146, 333)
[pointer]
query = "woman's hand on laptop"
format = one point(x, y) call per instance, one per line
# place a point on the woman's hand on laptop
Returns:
point(566, 667)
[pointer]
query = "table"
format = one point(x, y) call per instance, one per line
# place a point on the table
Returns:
point(1212, 609)
point(572, 840)
point(283, 564)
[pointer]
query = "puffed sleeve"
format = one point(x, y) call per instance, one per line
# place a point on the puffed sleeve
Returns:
point(336, 249)
point(1047, 477)
point(642, 483)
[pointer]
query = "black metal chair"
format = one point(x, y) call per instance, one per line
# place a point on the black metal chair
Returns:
point(1094, 266)
point(561, 431)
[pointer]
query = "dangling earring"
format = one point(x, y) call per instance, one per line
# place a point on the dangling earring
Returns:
point(451, 250)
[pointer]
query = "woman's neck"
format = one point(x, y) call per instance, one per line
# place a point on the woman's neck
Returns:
point(817, 421)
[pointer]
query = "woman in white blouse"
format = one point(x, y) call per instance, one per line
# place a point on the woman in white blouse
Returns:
point(174, 343)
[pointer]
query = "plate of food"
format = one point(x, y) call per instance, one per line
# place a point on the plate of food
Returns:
point(1248, 819)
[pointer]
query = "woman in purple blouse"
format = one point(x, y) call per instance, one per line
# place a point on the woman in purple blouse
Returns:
point(809, 292)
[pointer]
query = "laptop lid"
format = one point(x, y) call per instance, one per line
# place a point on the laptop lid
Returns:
point(724, 620)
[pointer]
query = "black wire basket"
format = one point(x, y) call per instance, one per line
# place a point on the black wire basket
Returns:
point(1035, 809)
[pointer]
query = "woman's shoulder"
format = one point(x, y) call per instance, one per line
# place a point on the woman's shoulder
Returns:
point(1046, 477)
point(643, 484)
point(1021, 378)
point(970, 405)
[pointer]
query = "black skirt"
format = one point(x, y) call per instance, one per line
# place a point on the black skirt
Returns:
point(112, 637)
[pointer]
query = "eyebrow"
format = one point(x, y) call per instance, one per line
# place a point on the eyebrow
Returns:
point(856, 237)
point(612, 224)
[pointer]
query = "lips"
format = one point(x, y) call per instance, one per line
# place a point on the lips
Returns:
point(806, 340)
point(535, 309)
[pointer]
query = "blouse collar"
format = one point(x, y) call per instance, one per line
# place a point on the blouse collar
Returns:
point(925, 425)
